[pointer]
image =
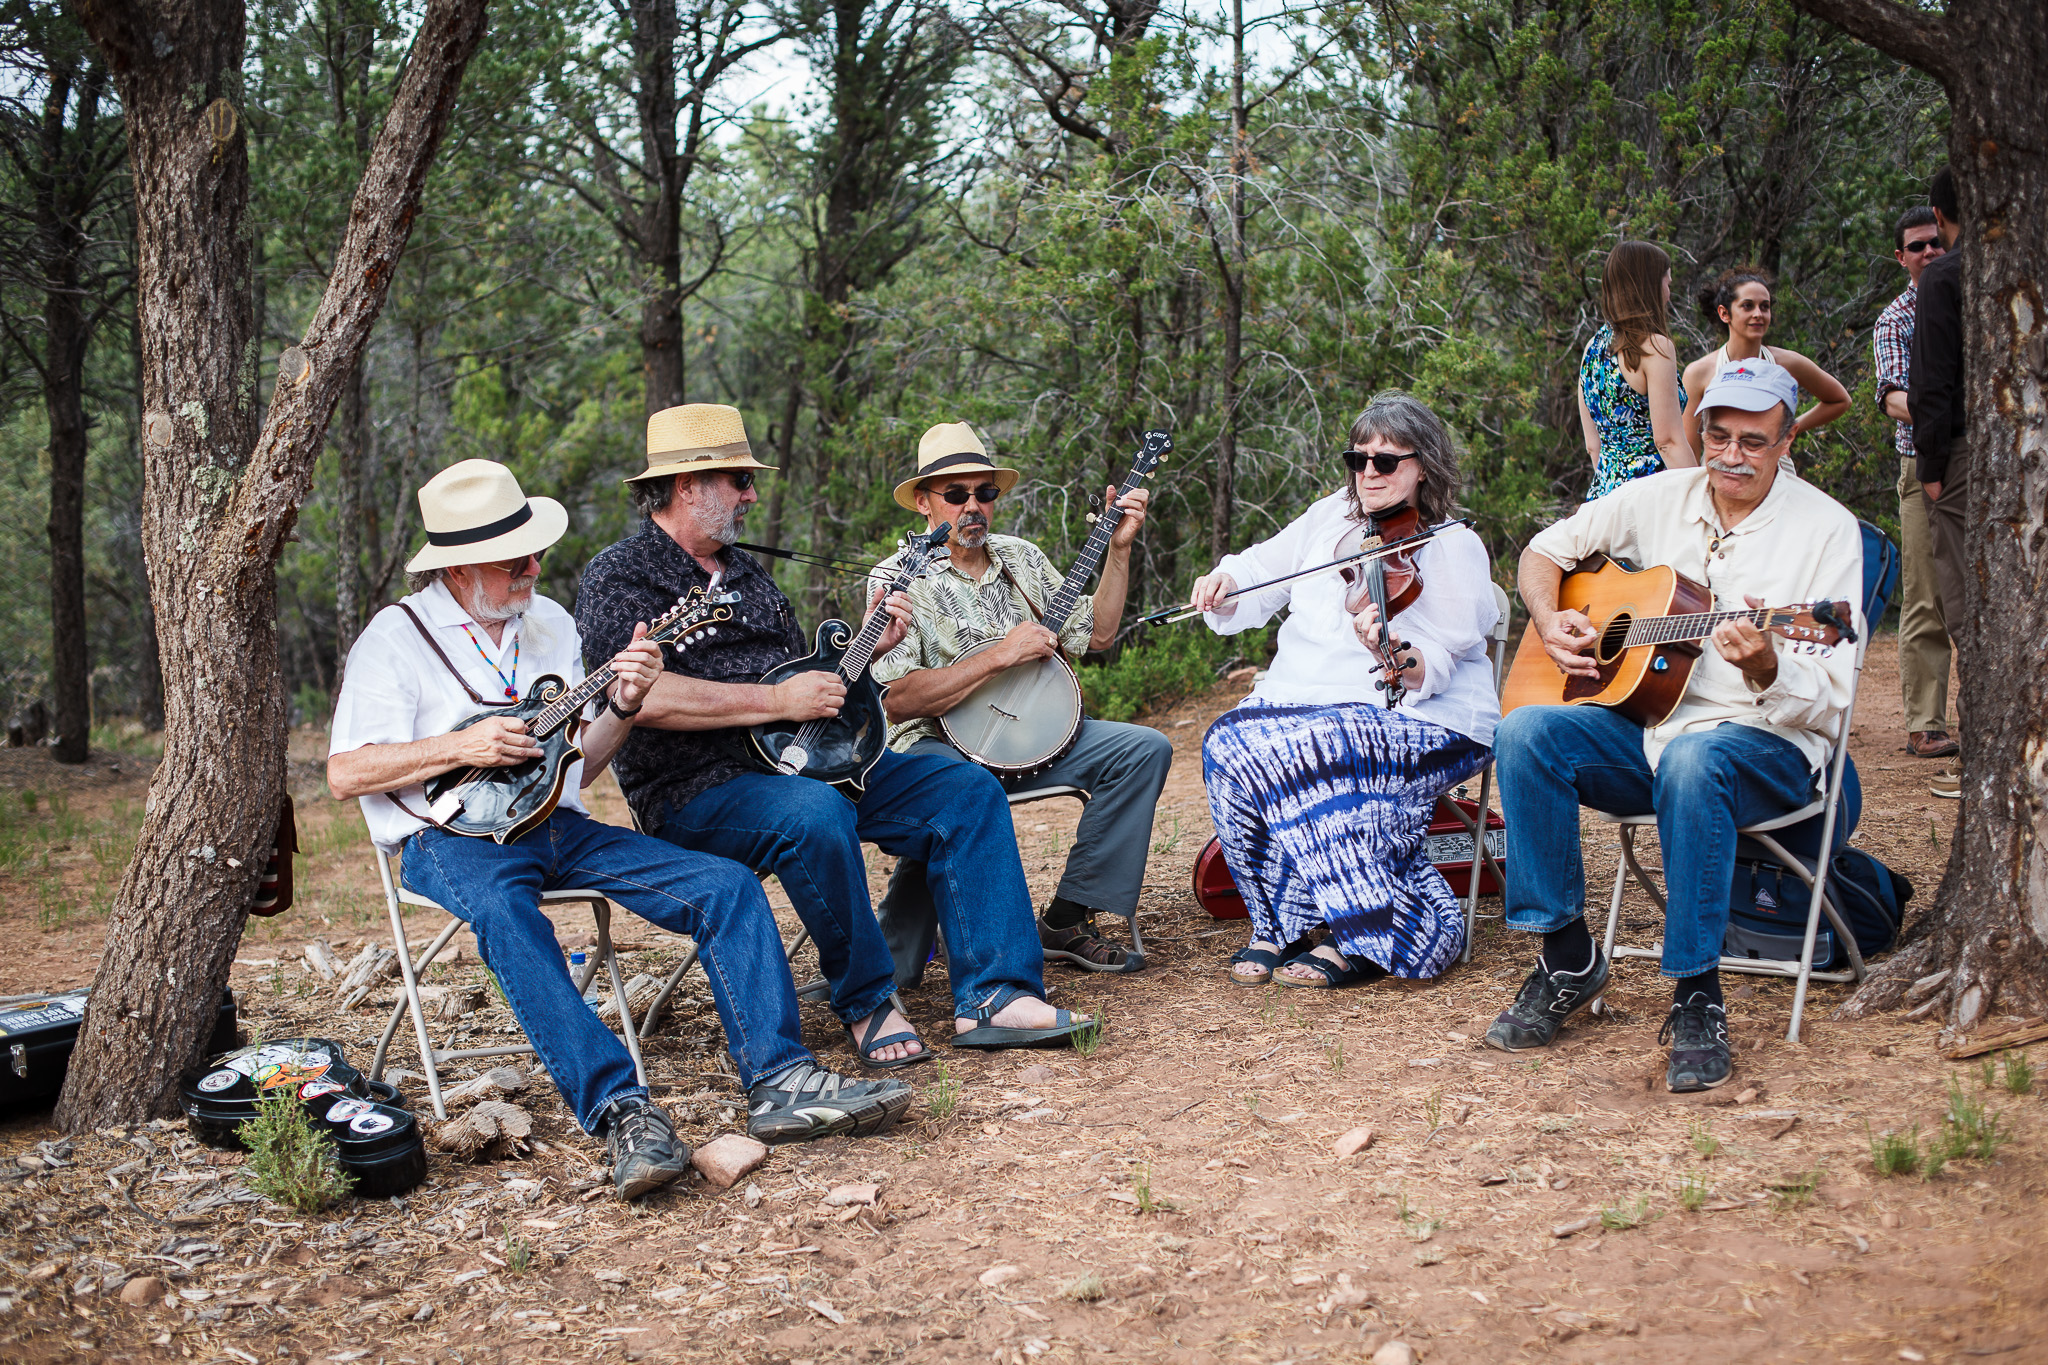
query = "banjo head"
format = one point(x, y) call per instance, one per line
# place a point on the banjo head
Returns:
point(1021, 719)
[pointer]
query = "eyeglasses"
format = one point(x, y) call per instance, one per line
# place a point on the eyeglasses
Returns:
point(742, 479)
point(1927, 244)
point(513, 568)
point(1714, 439)
point(957, 497)
point(1357, 460)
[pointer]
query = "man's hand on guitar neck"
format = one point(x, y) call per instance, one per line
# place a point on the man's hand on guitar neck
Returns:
point(1748, 648)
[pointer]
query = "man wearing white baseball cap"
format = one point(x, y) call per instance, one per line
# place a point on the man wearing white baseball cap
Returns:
point(1747, 741)
point(470, 635)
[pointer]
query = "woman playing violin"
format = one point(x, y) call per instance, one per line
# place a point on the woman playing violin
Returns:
point(1320, 785)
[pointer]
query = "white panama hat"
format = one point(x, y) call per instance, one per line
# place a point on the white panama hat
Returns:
point(696, 436)
point(951, 448)
point(475, 513)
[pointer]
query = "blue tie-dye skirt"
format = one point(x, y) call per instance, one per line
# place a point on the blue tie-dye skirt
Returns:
point(1323, 813)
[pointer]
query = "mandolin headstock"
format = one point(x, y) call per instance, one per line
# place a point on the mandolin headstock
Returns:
point(1814, 623)
point(695, 614)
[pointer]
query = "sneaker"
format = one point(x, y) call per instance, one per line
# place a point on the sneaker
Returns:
point(1698, 1033)
point(643, 1147)
point(1932, 744)
point(1546, 1000)
point(806, 1101)
point(1947, 785)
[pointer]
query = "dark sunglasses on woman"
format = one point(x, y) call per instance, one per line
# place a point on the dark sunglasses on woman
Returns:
point(1357, 460)
point(984, 495)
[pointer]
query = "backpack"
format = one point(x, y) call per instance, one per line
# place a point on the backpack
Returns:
point(1768, 905)
point(1880, 574)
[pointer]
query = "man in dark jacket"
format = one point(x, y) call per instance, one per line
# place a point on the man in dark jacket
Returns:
point(1935, 396)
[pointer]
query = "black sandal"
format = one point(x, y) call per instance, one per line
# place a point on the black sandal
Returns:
point(865, 1047)
point(1335, 978)
point(1267, 960)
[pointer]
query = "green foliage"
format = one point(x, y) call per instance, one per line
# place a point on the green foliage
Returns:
point(1175, 662)
point(1896, 1153)
point(290, 1160)
point(1622, 1217)
point(2019, 1072)
point(1703, 1140)
point(942, 1096)
point(1971, 1130)
point(1692, 1191)
point(1088, 1040)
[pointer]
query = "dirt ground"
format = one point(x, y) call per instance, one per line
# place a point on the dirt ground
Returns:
point(1173, 1196)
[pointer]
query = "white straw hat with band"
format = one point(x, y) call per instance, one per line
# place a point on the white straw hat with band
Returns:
point(683, 440)
point(948, 449)
point(475, 513)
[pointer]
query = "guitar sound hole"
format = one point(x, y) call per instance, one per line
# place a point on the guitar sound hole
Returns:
point(1612, 638)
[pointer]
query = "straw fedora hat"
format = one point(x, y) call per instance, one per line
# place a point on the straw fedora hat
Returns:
point(696, 436)
point(951, 448)
point(475, 514)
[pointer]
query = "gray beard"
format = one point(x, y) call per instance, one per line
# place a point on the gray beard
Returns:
point(481, 609)
point(972, 536)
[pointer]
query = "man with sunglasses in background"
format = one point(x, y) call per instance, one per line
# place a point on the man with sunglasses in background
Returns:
point(994, 588)
point(690, 778)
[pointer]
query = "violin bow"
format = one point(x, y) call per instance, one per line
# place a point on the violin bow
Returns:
point(1187, 610)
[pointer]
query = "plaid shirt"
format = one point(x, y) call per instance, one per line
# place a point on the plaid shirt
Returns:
point(1891, 344)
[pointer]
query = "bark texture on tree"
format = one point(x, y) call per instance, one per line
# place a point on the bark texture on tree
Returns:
point(1989, 923)
point(220, 499)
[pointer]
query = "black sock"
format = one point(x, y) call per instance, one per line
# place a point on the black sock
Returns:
point(1569, 949)
point(1707, 983)
point(1065, 914)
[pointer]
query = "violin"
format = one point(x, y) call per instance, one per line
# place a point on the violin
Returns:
point(1391, 583)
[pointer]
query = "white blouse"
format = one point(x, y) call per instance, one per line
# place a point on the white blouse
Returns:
point(1320, 661)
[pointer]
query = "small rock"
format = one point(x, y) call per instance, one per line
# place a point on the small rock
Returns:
point(846, 1196)
point(727, 1157)
point(999, 1275)
point(142, 1291)
point(752, 1198)
point(1394, 1353)
point(1354, 1142)
point(1881, 1050)
point(1037, 1074)
point(48, 1270)
point(1563, 1230)
point(608, 1276)
point(426, 1313)
point(1746, 1096)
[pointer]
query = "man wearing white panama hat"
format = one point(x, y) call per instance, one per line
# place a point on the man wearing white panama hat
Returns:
point(459, 643)
point(688, 775)
point(993, 588)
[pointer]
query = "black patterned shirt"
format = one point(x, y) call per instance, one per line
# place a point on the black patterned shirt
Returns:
point(637, 580)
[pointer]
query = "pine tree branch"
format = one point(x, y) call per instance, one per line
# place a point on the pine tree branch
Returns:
point(1916, 38)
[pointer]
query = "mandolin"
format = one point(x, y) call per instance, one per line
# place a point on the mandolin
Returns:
point(1647, 627)
point(840, 749)
point(504, 803)
point(1022, 720)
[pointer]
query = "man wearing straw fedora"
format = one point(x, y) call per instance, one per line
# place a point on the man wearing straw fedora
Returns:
point(462, 640)
point(687, 772)
point(993, 588)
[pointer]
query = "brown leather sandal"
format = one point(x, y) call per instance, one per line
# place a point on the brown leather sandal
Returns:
point(1081, 947)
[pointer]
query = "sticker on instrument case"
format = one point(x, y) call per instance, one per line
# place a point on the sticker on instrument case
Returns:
point(313, 1090)
point(348, 1109)
point(369, 1125)
point(218, 1081)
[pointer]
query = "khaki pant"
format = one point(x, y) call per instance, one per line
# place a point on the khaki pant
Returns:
point(1945, 536)
point(1923, 632)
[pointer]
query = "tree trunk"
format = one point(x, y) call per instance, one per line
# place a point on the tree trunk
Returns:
point(660, 244)
point(348, 520)
point(66, 333)
point(1989, 923)
point(220, 501)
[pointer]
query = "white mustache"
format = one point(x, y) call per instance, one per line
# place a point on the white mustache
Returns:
point(1722, 467)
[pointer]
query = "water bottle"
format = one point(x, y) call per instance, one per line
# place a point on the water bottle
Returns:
point(577, 959)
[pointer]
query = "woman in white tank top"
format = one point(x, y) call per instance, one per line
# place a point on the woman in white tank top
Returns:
point(1740, 302)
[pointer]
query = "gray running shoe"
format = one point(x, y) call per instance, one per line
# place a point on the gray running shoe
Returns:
point(1698, 1033)
point(806, 1101)
point(1546, 1000)
point(643, 1147)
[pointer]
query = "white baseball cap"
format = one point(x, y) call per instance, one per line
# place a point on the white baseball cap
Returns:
point(1754, 385)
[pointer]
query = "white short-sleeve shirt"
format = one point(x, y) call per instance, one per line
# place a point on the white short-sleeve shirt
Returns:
point(395, 690)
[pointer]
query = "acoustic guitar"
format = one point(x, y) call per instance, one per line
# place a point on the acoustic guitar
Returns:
point(504, 803)
point(840, 749)
point(1648, 624)
point(1024, 719)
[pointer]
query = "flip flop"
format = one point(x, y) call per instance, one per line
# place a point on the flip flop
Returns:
point(998, 1036)
point(1335, 978)
point(1267, 960)
point(865, 1047)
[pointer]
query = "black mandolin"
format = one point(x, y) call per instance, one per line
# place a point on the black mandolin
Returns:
point(840, 749)
point(504, 803)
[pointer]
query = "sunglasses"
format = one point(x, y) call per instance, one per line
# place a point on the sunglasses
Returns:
point(742, 479)
point(1915, 248)
point(1357, 460)
point(514, 567)
point(957, 497)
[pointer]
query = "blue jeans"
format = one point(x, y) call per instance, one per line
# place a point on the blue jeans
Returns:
point(1555, 759)
point(950, 816)
point(495, 889)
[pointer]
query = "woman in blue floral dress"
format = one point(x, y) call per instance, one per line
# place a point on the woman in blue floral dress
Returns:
point(1631, 407)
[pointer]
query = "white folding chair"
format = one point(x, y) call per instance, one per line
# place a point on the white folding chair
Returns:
point(1815, 875)
point(396, 897)
point(1483, 860)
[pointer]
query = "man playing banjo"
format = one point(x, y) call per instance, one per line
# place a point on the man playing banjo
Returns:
point(994, 589)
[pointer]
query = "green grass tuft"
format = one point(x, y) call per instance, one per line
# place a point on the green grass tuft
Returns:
point(942, 1096)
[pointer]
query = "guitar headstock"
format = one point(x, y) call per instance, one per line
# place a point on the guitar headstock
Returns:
point(1815, 623)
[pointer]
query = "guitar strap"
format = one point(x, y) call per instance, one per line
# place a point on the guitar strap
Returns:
point(1032, 606)
point(460, 681)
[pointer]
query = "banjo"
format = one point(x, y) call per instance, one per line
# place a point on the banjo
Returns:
point(1021, 720)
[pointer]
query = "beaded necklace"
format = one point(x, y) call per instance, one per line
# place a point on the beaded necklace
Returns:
point(511, 683)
